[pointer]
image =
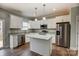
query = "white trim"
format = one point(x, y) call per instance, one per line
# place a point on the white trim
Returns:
point(72, 48)
point(78, 52)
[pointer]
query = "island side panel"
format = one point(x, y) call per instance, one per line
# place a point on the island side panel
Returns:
point(41, 46)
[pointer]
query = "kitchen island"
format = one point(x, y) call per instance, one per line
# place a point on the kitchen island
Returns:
point(41, 43)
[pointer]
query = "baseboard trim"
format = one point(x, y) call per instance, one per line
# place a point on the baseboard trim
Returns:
point(73, 48)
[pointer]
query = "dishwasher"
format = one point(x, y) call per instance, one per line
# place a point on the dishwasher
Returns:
point(21, 40)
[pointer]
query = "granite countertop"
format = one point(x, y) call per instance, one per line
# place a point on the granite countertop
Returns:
point(40, 36)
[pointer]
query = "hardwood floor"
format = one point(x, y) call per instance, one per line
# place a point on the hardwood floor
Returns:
point(60, 51)
point(24, 50)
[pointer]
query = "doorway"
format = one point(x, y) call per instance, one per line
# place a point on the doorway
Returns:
point(1, 33)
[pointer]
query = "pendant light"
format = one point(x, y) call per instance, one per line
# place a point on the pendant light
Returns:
point(36, 14)
point(36, 19)
point(44, 18)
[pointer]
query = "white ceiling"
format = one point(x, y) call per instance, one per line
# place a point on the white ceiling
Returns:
point(27, 9)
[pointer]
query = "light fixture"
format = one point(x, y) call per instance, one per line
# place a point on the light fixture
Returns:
point(44, 18)
point(36, 19)
point(36, 14)
point(54, 9)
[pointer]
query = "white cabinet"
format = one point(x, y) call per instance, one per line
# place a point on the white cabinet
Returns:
point(27, 39)
point(40, 44)
point(15, 21)
point(66, 18)
point(51, 23)
point(34, 24)
point(54, 38)
point(13, 41)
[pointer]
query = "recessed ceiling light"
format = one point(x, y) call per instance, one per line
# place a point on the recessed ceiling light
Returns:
point(54, 9)
point(44, 18)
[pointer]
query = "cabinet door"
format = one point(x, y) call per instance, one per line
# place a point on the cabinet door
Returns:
point(15, 41)
point(19, 22)
point(34, 24)
point(27, 39)
point(66, 18)
point(51, 23)
point(11, 41)
point(15, 22)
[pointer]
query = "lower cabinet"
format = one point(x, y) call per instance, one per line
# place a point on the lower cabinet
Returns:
point(53, 39)
point(13, 41)
point(16, 40)
point(27, 39)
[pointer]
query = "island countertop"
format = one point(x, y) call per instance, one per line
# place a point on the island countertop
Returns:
point(40, 36)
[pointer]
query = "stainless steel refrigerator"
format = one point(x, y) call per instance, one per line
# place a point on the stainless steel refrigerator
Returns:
point(63, 34)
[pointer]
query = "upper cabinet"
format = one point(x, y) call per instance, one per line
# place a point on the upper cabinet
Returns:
point(34, 24)
point(66, 18)
point(15, 21)
point(51, 23)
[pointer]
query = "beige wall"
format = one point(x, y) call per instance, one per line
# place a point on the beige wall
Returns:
point(6, 18)
point(74, 13)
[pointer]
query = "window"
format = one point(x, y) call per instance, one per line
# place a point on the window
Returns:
point(25, 26)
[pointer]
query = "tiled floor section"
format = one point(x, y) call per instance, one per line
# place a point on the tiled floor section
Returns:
point(25, 51)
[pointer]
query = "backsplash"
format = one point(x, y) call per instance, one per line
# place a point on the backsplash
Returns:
point(51, 31)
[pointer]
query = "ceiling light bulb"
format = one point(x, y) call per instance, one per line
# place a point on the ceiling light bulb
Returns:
point(35, 19)
point(44, 18)
point(54, 9)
